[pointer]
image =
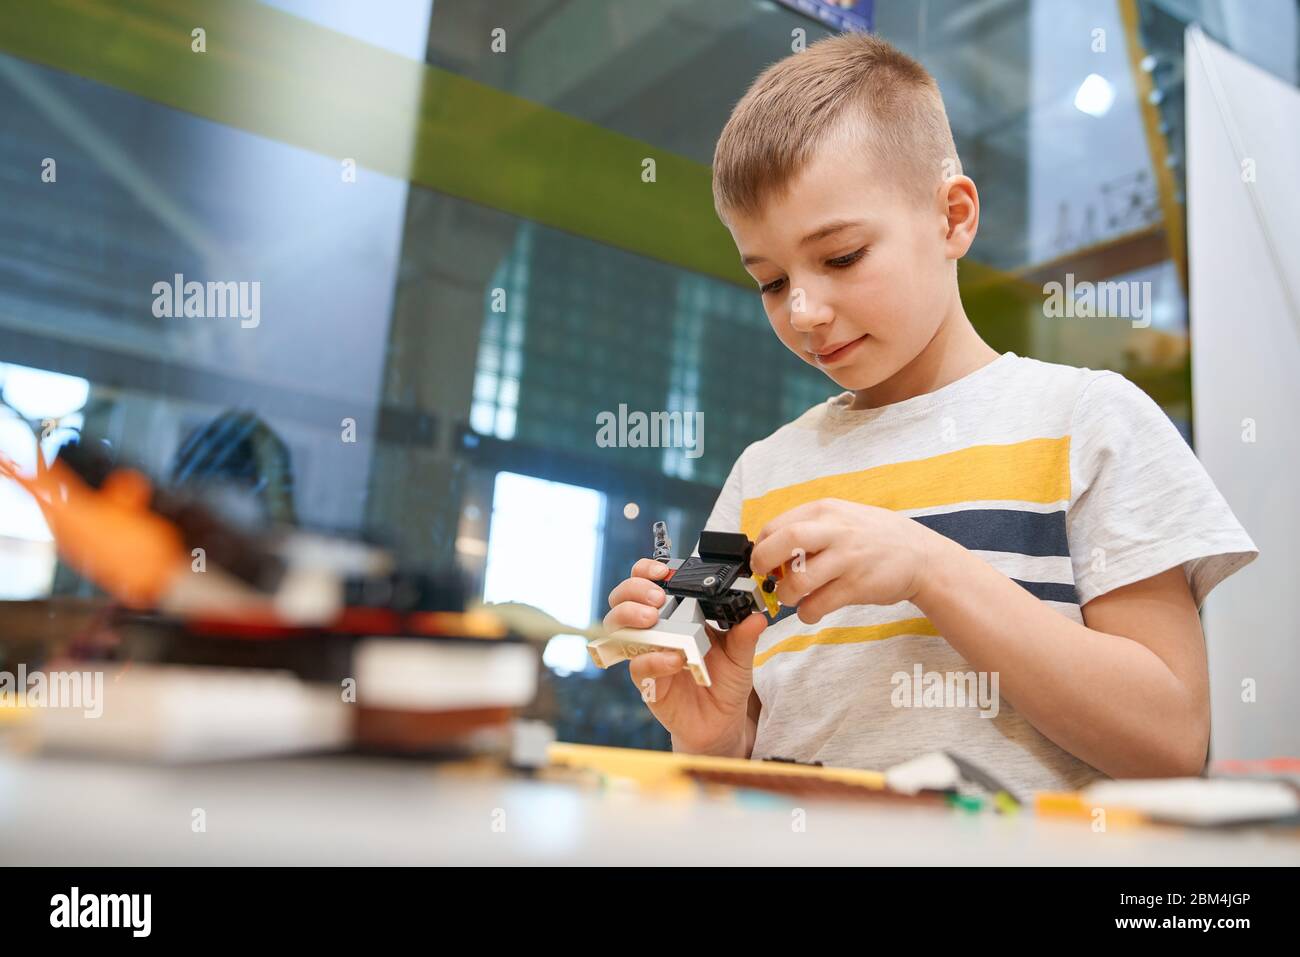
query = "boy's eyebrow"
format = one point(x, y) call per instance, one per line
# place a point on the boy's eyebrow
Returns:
point(821, 232)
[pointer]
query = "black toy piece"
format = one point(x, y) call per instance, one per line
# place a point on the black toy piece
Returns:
point(723, 558)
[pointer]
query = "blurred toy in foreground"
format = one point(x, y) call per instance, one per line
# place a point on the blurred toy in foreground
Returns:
point(155, 549)
point(205, 604)
point(716, 587)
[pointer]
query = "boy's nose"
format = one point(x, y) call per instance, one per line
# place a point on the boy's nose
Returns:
point(814, 312)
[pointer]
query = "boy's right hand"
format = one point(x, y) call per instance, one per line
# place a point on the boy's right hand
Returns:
point(701, 720)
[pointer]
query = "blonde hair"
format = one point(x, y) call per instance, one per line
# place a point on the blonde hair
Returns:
point(855, 88)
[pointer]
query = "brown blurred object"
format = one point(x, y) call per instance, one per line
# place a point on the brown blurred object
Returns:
point(423, 732)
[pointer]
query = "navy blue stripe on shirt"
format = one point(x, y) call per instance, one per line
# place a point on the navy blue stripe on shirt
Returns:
point(1050, 591)
point(1003, 530)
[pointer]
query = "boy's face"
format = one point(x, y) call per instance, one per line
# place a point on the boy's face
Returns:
point(860, 301)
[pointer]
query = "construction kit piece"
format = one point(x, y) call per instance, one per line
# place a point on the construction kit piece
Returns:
point(318, 641)
point(717, 587)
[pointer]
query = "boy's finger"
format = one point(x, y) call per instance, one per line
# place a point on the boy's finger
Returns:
point(639, 590)
point(816, 571)
point(649, 568)
point(655, 664)
point(825, 600)
point(630, 614)
point(799, 513)
point(787, 543)
point(738, 643)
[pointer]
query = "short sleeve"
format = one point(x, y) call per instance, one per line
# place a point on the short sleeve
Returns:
point(1141, 502)
point(725, 516)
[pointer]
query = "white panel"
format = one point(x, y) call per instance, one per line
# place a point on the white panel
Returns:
point(1242, 239)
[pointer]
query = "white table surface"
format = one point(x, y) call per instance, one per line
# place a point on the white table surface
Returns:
point(64, 811)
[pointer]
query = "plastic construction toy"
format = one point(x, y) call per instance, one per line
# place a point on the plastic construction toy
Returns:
point(156, 550)
point(716, 587)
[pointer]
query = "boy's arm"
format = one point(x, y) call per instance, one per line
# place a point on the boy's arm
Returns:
point(751, 724)
point(1128, 692)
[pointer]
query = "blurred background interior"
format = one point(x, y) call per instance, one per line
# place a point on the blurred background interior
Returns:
point(477, 172)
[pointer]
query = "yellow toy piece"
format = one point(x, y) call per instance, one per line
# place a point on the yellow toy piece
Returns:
point(768, 598)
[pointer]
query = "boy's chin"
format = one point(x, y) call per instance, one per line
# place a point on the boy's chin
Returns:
point(855, 378)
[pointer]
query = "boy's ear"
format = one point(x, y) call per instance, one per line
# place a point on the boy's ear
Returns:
point(961, 204)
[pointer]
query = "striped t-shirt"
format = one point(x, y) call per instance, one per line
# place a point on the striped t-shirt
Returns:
point(1072, 482)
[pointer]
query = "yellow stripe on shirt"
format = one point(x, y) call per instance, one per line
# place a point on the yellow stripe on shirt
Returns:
point(848, 636)
point(1036, 470)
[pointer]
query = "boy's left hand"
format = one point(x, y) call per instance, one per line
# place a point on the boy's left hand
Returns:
point(842, 553)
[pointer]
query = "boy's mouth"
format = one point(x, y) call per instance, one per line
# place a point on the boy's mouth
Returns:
point(836, 353)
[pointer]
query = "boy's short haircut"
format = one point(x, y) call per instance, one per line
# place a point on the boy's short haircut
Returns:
point(855, 88)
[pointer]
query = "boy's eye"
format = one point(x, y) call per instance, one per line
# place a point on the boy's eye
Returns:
point(848, 260)
point(839, 262)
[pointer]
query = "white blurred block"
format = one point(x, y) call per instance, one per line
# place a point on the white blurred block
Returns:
point(180, 713)
point(426, 675)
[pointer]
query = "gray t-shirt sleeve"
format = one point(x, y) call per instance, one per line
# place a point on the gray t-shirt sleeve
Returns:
point(1141, 502)
point(725, 516)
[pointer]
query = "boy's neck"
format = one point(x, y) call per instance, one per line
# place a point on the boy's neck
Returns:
point(955, 351)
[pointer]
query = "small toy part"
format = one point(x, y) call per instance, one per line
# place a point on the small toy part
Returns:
point(965, 802)
point(945, 771)
point(687, 636)
point(529, 742)
point(767, 593)
point(935, 771)
point(663, 544)
point(1004, 797)
point(716, 586)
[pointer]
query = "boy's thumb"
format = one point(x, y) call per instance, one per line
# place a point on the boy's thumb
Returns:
point(742, 638)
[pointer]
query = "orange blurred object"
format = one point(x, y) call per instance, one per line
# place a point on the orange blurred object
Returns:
point(109, 535)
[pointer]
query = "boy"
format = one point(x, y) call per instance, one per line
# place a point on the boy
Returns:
point(957, 519)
